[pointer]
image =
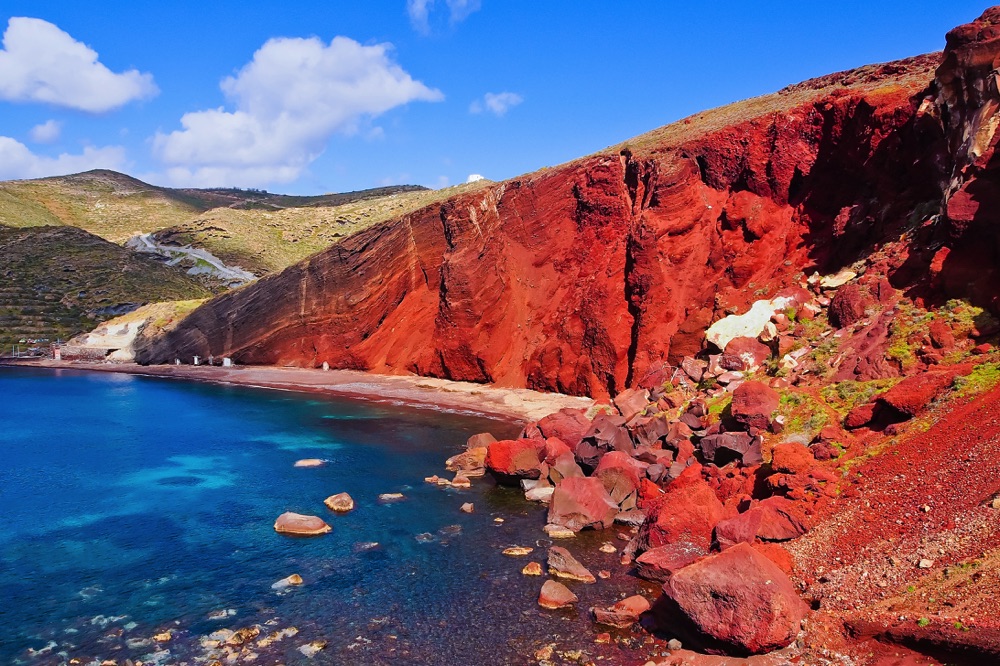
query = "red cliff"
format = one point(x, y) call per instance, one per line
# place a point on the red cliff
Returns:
point(583, 278)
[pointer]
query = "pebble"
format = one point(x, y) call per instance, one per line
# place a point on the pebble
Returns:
point(468, 507)
point(608, 548)
point(925, 564)
point(532, 569)
point(517, 551)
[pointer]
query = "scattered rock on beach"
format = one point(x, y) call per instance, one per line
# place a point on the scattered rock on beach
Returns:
point(623, 614)
point(517, 551)
point(468, 507)
point(563, 565)
point(532, 569)
point(341, 502)
point(297, 524)
point(555, 595)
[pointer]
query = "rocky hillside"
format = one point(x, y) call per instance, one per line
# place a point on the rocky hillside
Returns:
point(56, 281)
point(583, 278)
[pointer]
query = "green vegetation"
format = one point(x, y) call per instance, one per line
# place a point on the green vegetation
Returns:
point(803, 413)
point(846, 395)
point(923, 622)
point(61, 281)
point(982, 378)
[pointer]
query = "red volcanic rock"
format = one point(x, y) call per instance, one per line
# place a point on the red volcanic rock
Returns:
point(727, 446)
point(849, 305)
point(860, 416)
point(564, 467)
point(941, 334)
point(581, 502)
point(631, 402)
point(914, 393)
point(774, 552)
point(569, 425)
point(623, 614)
point(620, 474)
point(555, 595)
point(648, 430)
point(660, 563)
point(751, 352)
point(563, 565)
point(688, 512)
point(740, 599)
point(792, 458)
point(578, 278)
point(773, 519)
point(297, 524)
point(512, 459)
point(753, 404)
point(555, 448)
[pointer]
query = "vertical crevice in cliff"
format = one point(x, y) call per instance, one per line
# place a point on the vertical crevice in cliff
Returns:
point(640, 180)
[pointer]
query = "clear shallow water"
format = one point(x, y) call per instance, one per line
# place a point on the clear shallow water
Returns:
point(134, 505)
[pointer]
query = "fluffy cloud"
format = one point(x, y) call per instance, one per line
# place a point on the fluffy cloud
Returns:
point(17, 161)
point(496, 103)
point(474, 177)
point(47, 132)
point(458, 11)
point(41, 63)
point(288, 101)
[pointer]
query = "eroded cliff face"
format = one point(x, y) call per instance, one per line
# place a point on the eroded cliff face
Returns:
point(586, 278)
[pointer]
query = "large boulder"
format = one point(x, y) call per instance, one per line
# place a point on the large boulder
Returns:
point(688, 512)
point(848, 305)
point(751, 353)
point(659, 564)
point(911, 395)
point(631, 402)
point(753, 404)
point(792, 458)
point(510, 460)
point(649, 430)
point(471, 462)
point(297, 524)
point(569, 425)
point(773, 519)
point(581, 502)
point(724, 447)
point(620, 474)
point(607, 433)
point(739, 599)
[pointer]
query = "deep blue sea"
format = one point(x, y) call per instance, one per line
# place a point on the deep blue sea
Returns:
point(133, 506)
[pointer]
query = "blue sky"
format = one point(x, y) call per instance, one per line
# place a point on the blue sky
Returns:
point(321, 96)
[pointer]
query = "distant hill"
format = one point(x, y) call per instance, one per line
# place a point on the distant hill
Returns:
point(56, 281)
point(253, 229)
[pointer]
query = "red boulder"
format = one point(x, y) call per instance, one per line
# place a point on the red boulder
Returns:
point(914, 393)
point(751, 352)
point(688, 512)
point(738, 598)
point(659, 564)
point(849, 305)
point(580, 502)
point(792, 458)
point(620, 474)
point(569, 425)
point(753, 404)
point(513, 459)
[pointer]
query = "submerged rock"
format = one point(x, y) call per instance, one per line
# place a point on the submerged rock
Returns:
point(555, 595)
point(341, 502)
point(288, 581)
point(563, 565)
point(297, 524)
point(623, 614)
point(310, 462)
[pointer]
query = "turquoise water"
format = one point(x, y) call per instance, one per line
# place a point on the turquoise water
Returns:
point(136, 505)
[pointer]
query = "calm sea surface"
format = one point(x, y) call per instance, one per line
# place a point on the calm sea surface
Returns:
point(133, 506)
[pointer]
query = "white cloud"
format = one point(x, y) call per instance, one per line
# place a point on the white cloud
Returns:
point(289, 100)
point(419, 11)
point(461, 9)
point(496, 103)
point(17, 161)
point(474, 177)
point(47, 132)
point(41, 63)
point(458, 11)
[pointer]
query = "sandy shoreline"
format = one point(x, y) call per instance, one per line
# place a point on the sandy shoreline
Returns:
point(521, 405)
